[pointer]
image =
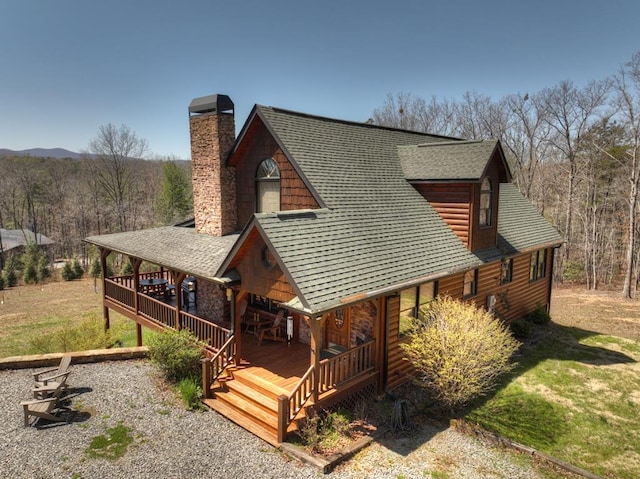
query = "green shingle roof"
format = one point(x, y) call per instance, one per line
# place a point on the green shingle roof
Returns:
point(458, 160)
point(174, 247)
point(376, 230)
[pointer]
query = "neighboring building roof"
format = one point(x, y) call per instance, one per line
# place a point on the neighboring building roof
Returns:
point(10, 239)
point(176, 248)
point(520, 227)
point(458, 160)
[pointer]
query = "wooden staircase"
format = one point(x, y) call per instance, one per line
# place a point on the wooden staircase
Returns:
point(249, 401)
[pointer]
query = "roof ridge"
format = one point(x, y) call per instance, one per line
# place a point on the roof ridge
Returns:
point(351, 122)
point(448, 143)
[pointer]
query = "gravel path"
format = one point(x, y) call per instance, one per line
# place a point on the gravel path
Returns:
point(173, 443)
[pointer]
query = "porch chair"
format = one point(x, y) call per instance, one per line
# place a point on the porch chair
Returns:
point(40, 408)
point(52, 376)
point(47, 399)
point(273, 332)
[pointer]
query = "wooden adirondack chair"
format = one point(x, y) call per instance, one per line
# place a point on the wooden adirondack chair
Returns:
point(52, 376)
point(273, 332)
point(40, 408)
point(46, 402)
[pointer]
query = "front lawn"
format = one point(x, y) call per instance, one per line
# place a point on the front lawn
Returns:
point(575, 396)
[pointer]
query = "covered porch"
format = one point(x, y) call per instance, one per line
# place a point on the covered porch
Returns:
point(262, 385)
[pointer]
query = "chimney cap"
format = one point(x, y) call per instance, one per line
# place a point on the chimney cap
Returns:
point(211, 104)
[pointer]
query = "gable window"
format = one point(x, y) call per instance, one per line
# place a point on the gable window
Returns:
point(268, 187)
point(485, 202)
point(470, 284)
point(538, 267)
point(506, 273)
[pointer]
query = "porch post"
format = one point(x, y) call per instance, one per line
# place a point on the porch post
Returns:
point(178, 278)
point(316, 345)
point(379, 328)
point(136, 262)
point(104, 253)
point(236, 323)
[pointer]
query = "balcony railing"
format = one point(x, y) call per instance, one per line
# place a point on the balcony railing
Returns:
point(339, 369)
point(164, 314)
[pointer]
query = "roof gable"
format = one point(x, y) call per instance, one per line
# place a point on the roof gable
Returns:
point(459, 160)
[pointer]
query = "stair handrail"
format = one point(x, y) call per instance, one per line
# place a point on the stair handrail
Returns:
point(214, 367)
point(290, 405)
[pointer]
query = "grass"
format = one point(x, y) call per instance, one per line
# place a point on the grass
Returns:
point(111, 445)
point(574, 396)
point(32, 312)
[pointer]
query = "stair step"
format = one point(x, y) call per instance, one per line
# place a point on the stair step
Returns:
point(259, 384)
point(233, 414)
point(266, 402)
point(248, 408)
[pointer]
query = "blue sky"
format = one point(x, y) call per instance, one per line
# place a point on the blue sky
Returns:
point(69, 66)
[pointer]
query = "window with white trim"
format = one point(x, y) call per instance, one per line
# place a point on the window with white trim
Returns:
point(268, 187)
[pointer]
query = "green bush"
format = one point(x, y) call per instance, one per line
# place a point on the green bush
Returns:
point(67, 272)
point(459, 351)
point(96, 268)
point(88, 334)
point(77, 268)
point(191, 393)
point(177, 354)
point(521, 329)
point(322, 431)
point(539, 316)
point(1, 281)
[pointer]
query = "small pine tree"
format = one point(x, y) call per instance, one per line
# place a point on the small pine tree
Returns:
point(43, 270)
point(95, 270)
point(10, 272)
point(127, 269)
point(67, 273)
point(77, 269)
point(1, 281)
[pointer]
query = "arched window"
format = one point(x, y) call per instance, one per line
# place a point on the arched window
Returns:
point(268, 187)
point(485, 202)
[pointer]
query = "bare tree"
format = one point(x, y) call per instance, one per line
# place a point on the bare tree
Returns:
point(569, 112)
point(113, 148)
point(527, 139)
point(626, 86)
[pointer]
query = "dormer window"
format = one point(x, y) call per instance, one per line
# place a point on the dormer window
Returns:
point(485, 202)
point(268, 187)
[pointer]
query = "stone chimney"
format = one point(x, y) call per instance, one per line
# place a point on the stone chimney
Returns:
point(212, 127)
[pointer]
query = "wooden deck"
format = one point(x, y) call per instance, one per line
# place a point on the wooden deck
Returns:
point(277, 363)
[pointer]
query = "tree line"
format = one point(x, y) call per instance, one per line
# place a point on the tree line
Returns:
point(114, 187)
point(574, 153)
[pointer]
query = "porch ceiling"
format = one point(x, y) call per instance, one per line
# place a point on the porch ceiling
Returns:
point(174, 247)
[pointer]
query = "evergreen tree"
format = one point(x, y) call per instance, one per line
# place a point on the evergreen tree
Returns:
point(175, 200)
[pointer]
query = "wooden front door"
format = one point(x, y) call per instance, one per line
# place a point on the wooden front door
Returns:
point(338, 328)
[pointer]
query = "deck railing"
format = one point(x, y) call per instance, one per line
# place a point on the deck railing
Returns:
point(289, 406)
point(157, 311)
point(127, 279)
point(119, 293)
point(214, 367)
point(339, 369)
point(210, 333)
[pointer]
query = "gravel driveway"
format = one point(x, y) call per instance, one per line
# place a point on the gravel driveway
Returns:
point(173, 443)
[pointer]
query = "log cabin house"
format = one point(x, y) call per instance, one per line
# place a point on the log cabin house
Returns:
point(336, 231)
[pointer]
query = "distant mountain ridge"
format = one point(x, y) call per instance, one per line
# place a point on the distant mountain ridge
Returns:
point(41, 153)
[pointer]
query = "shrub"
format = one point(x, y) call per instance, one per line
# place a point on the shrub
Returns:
point(191, 393)
point(177, 354)
point(459, 351)
point(96, 268)
point(77, 268)
point(67, 272)
point(539, 316)
point(88, 334)
point(322, 431)
point(521, 329)
point(1, 281)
